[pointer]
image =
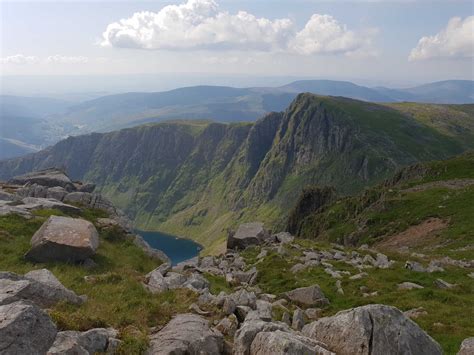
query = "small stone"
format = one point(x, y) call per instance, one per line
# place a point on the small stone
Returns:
point(409, 286)
point(443, 284)
point(298, 319)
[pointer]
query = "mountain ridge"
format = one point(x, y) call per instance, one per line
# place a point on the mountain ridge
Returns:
point(200, 178)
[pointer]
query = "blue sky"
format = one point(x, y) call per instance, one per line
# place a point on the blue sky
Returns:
point(371, 40)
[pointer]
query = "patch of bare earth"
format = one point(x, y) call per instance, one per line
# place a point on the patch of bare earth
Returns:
point(415, 236)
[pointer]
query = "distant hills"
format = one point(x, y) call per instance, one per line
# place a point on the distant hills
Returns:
point(218, 103)
point(197, 178)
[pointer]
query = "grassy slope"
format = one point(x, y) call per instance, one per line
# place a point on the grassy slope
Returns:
point(116, 298)
point(453, 310)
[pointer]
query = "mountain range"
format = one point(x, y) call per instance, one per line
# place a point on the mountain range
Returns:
point(59, 118)
point(198, 178)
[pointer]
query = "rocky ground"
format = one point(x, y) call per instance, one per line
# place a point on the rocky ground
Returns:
point(268, 294)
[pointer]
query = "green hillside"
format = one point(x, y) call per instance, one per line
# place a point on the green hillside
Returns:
point(200, 178)
point(432, 201)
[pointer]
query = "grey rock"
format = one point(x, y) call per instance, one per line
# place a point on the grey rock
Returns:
point(186, 334)
point(415, 312)
point(229, 306)
point(196, 282)
point(248, 331)
point(248, 234)
point(284, 237)
point(25, 329)
point(228, 326)
point(149, 251)
point(382, 261)
point(39, 286)
point(467, 347)
point(313, 313)
point(33, 203)
point(284, 343)
point(64, 239)
point(243, 297)
point(440, 283)
point(308, 296)
point(409, 286)
point(298, 319)
point(58, 193)
point(89, 342)
point(414, 266)
point(241, 312)
point(358, 276)
point(285, 318)
point(372, 329)
point(87, 187)
point(48, 177)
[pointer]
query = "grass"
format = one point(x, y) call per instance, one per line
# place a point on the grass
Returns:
point(454, 309)
point(116, 296)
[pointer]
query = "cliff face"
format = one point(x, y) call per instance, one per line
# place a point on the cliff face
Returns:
point(198, 178)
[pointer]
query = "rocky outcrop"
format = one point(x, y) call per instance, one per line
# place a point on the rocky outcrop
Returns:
point(186, 334)
point(248, 234)
point(25, 329)
point(64, 239)
point(308, 296)
point(93, 341)
point(48, 177)
point(284, 343)
point(38, 286)
point(370, 330)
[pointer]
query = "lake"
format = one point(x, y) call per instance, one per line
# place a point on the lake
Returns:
point(178, 249)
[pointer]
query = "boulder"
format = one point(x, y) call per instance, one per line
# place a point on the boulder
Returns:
point(409, 286)
point(38, 286)
point(308, 296)
point(64, 239)
point(283, 343)
point(248, 234)
point(228, 326)
point(283, 237)
point(467, 347)
point(248, 331)
point(186, 334)
point(440, 283)
point(57, 193)
point(36, 203)
point(89, 342)
point(48, 177)
point(372, 329)
point(25, 329)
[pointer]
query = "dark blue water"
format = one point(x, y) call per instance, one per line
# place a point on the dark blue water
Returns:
point(178, 249)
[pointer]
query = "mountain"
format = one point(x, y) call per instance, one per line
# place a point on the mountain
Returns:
point(227, 104)
point(23, 126)
point(197, 178)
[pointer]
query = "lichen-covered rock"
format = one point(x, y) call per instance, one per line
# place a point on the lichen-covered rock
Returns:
point(248, 331)
point(186, 334)
point(48, 177)
point(25, 329)
point(283, 343)
point(308, 296)
point(248, 234)
point(78, 343)
point(372, 329)
point(467, 347)
point(64, 239)
point(38, 286)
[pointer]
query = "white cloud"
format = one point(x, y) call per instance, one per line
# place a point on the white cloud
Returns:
point(198, 24)
point(454, 41)
point(19, 59)
point(324, 34)
point(60, 59)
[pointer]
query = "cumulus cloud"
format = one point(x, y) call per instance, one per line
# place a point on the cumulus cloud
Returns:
point(454, 41)
point(198, 24)
point(60, 59)
point(19, 59)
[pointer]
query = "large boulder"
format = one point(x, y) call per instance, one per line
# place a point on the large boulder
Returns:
point(467, 347)
point(372, 329)
point(38, 286)
point(64, 239)
point(308, 296)
point(49, 178)
point(186, 334)
point(248, 234)
point(284, 343)
point(248, 331)
point(25, 329)
point(92, 341)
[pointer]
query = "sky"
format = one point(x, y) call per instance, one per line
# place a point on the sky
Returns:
point(397, 43)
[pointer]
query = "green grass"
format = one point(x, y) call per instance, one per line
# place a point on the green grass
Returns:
point(453, 308)
point(116, 297)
